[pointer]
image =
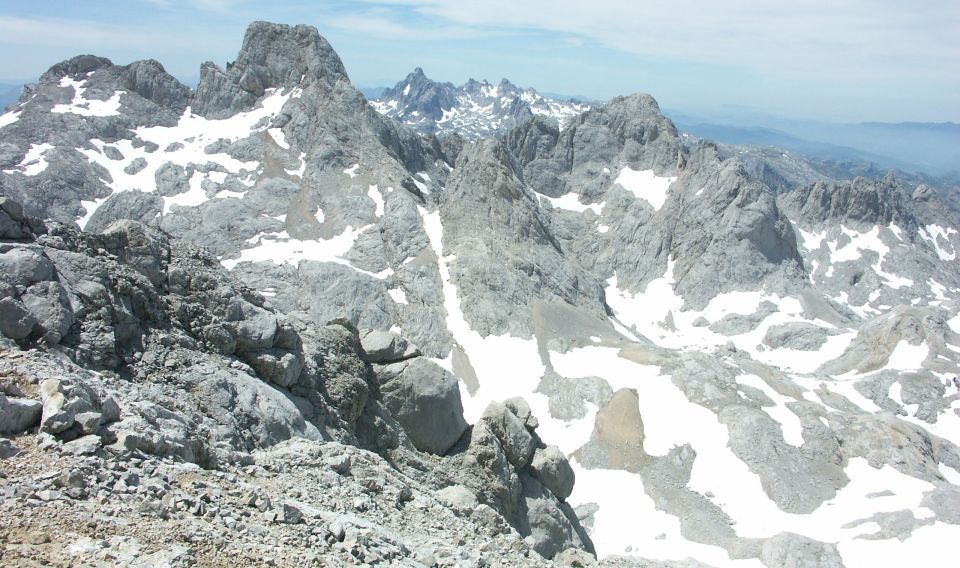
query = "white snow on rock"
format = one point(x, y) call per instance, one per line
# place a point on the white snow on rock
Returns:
point(87, 107)
point(789, 422)
point(869, 241)
point(398, 295)
point(906, 356)
point(90, 207)
point(934, 234)
point(811, 241)
point(191, 198)
point(646, 185)
point(9, 118)
point(280, 248)
point(33, 161)
point(302, 168)
point(352, 170)
point(421, 186)
point(628, 521)
point(505, 366)
point(571, 202)
point(279, 138)
point(184, 145)
point(373, 192)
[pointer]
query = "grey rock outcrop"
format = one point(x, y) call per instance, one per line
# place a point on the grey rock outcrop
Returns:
point(553, 470)
point(793, 551)
point(860, 202)
point(386, 347)
point(425, 399)
point(517, 442)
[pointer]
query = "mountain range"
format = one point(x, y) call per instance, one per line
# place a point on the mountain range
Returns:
point(268, 318)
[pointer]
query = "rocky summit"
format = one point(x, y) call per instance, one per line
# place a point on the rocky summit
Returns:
point(267, 321)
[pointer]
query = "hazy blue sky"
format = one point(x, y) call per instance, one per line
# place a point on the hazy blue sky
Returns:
point(850, 60)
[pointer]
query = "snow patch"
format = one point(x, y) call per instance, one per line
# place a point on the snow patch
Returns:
point(646, 185)
point(571, 202)
point(279, 138)
point(934, 234)
point(398, 295)
point(82, 106)
point(9, 118)
point(280, 249)
point(505, 366)
point(906, 356)
point(373, 192)
point(789, 422)
point(33, 161)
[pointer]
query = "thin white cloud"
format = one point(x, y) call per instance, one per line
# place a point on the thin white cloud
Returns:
point(47, 32)
point(861, 37)
point(381, 28)
point(224, 6)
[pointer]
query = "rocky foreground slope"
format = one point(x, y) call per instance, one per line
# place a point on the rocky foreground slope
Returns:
point(734, 374)
point(215, 429)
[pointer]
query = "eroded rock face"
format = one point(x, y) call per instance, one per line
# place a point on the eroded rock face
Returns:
point(517, 442)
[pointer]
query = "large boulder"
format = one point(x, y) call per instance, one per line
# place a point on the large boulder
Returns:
point(24, 266)
point(517, 442)
point(279, 366)
point(425, 399)
point(16, 321)
point(48, 303)
point(13, 225)
point(18, 414)
point(386, 347)
point(255, 328)
point(553, 470)
point(139, 246)
point(550, 526)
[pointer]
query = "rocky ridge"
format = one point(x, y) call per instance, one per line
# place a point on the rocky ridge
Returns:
point(476, 109)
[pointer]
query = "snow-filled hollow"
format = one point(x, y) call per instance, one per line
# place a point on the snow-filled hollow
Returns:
point(646, 185)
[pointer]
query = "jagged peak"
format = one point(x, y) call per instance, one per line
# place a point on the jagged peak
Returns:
point(271, 56)
point(284, 51)
point(77, 65)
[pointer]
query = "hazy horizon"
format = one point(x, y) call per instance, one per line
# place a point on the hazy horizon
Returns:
point(886, 61)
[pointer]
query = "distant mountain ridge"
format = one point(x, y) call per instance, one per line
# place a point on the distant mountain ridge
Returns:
point(931, 148)
point(476, 109)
